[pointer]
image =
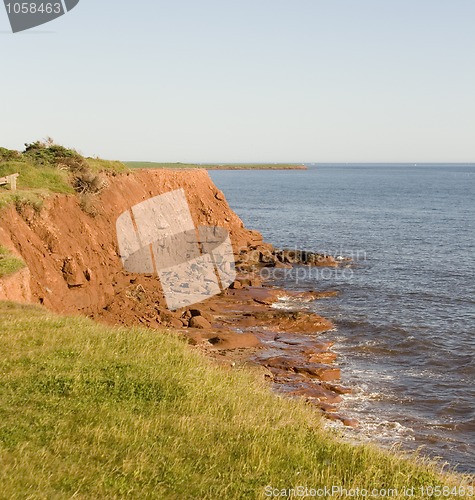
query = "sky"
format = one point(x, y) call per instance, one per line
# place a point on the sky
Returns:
point(246, 81)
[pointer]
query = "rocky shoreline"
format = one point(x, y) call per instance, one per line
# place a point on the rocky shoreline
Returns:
point(243, 326)
point(73, 266)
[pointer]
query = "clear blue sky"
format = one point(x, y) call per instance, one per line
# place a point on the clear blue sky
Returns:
point(248, 80)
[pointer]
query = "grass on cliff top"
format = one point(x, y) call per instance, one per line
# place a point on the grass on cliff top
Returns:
point(215, 166)
point(90, 411)
point(9, 264)
point(111, 166)
point(36, 177)
point(46, 168)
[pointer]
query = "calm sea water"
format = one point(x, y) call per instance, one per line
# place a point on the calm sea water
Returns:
point(405, 314)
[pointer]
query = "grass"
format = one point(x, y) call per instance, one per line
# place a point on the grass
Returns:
point(9, 264)
point(23, 197)
point(96, 412)
point(99, 165)
point(215, 166)
point(33, 177)
point(33, 185)
point(44, 170)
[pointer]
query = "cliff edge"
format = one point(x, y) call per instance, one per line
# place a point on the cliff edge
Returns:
point(71, 251)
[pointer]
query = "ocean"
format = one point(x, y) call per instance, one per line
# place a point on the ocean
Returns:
point(405, 312)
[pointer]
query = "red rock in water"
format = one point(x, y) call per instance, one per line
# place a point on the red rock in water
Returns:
point(349, 422)
point(318, 393)
point(323, 357)
point(322, 372)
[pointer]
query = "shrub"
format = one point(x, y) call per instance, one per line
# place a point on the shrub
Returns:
point(46, 167)
point(87, 182)
point(88, 205)
point(83, 179)
point(47, 153)
point(9, 155)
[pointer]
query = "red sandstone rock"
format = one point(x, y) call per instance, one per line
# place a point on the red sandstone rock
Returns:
point(282, 265)
point(175, 323)
point(317, 392)
point(236, 341)
point(322, 372)
point(16, 287)
point(199, 322)
point(323, 357)
point(327, 408)
point(224, 340)
point(339, 389)
point(349, 422)
point(94, 283)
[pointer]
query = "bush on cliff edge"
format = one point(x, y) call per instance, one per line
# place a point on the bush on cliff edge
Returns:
point(46, 167)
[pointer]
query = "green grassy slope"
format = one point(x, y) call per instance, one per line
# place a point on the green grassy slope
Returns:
point(47, 168)
point(96, 412)
point(9, 264)
point(31, 176)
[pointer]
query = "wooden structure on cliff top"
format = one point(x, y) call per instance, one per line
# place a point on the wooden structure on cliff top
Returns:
point(9, 179)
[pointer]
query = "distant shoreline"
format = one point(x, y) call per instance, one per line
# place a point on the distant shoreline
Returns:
point(216, 166)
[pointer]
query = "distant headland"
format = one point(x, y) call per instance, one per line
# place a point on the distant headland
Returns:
point(218, 166)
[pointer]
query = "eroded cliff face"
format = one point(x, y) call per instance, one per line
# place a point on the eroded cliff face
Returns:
point(73, 257)
point(16, 287)
point(74, 267)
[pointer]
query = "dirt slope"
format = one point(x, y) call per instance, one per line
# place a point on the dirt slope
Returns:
point(74, 267)
point(73, 258)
